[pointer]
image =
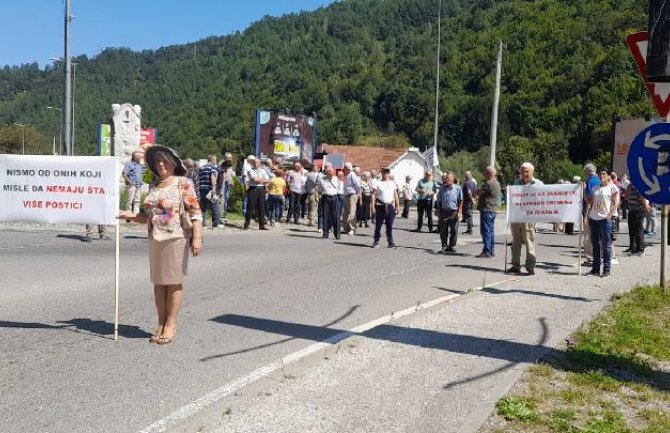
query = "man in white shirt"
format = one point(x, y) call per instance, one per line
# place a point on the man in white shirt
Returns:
point(387, 203)
point(257, 179)
point(352, 187)
point(328, 188)
point(295, 188)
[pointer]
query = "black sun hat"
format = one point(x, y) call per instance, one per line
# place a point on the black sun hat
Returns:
point(151, 154)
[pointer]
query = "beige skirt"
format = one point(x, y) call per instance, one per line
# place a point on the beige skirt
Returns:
point(168, 261)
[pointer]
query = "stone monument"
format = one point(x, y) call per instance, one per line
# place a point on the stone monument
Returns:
point(127, 124)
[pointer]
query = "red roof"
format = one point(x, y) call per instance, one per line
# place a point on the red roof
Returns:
point(367, 158)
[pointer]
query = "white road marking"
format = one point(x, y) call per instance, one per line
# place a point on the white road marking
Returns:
point(196, 406)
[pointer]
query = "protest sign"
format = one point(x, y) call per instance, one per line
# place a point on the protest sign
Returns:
point(56, 190)
point(544, 203)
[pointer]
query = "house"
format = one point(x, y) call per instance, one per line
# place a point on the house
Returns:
point(401, 162)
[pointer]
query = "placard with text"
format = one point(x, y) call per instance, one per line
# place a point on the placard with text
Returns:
point(544, 203)
point(58, 189)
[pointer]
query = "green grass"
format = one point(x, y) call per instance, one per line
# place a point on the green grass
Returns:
point(609, 381)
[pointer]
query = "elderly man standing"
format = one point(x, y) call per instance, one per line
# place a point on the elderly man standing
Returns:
point(524, 233)
point(449, 206)
point(469, 188)
point(132, 175)
point(488, 196)
point(257, 179)
point(208, 193)
point(328, 188)
point(295, 188)
point(352, 187)
point(426, 188)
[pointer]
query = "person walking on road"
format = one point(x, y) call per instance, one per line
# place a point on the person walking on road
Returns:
point(258, 180)
point(524, 233)
point(449, 206)
point(329, 187)
point(387, 203)
point(469, 188)
point(488, 196)
point(364, 201)
point(591, 184)
point(352, 188)
point(312, 195)
point(276, 189)
point(426, 188)
point(602, 206)
point(169, 244)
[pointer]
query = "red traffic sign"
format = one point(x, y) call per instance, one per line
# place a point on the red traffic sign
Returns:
point(659, 92)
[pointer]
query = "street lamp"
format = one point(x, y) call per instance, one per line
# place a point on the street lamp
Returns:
point(23, 137)
point(60, 127)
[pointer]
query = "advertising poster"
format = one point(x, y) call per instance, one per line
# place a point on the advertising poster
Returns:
point(58, 190)
point(289, 135)
point(544, 203)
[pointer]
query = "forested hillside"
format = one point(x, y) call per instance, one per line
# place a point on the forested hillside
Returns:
point(366, 68)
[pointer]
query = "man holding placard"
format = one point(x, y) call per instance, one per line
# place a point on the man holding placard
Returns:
point(524, 233)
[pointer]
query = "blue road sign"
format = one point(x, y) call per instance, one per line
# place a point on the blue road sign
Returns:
point(649, 163)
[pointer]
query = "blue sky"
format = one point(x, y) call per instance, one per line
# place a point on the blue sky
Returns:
point(32, 30)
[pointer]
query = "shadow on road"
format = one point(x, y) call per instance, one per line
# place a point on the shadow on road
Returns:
point(494, 291)
point(81, 238)
point(512, 351)
point(262, 346)
point(96, 328)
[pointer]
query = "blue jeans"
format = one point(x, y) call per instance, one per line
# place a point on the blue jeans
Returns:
point(276, 205)
point(207, 204)
point(601, 231)
point(487, 223)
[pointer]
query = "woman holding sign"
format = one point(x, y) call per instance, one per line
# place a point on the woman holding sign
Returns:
point(170, 195)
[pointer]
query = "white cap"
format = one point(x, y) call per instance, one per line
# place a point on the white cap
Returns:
point(251, 158)
point(348, 166)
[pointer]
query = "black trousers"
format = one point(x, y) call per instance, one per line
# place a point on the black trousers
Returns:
point(330, 217)
point(425, 206)
point(405, 208)
point(467, 215)
point(255, 204)
point(636, 230)
point(294, 206)
point(448, 224)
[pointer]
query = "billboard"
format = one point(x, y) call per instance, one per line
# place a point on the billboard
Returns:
point(291, 136)
point(625, 132)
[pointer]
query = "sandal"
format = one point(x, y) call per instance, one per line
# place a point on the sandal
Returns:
point(165, 340)
point(154, 339)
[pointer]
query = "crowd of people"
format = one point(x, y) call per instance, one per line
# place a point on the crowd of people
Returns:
point(342, 201)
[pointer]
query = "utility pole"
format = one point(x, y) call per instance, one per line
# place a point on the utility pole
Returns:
point(496, 103)
point(67, 96)
point(437, 79)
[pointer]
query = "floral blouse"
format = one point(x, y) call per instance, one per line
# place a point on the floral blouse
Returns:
point(162, 209)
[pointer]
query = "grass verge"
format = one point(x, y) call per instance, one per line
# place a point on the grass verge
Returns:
point(613, 378)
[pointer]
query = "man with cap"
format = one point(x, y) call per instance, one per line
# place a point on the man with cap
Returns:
point(352, 187)
point(257, 179)
point(208, 192)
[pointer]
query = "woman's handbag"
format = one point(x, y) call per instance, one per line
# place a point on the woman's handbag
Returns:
point(184, 217)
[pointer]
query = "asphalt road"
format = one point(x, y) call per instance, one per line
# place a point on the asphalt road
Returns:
point(246, 298)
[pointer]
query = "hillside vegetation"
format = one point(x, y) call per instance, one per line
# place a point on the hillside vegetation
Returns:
point(366, 68)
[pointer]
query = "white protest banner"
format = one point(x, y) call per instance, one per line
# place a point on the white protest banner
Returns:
point(544, 203)
point(59, 189)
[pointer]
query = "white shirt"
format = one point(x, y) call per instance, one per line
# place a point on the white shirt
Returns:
point(601, 201)
point(329, 187)
point(385, 191)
